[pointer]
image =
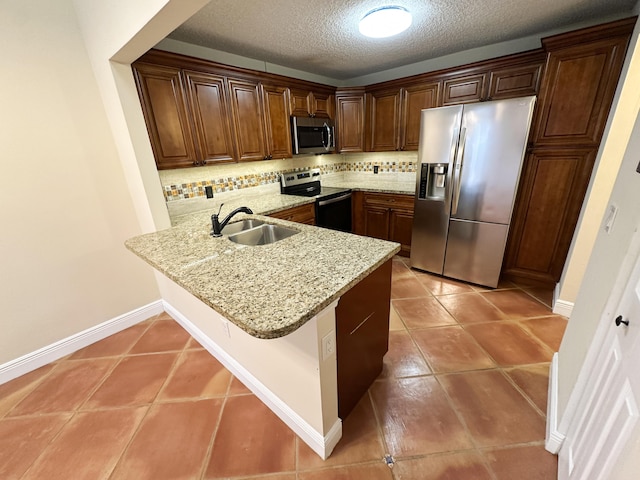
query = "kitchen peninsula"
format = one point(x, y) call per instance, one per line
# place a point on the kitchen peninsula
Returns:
point(272, 314)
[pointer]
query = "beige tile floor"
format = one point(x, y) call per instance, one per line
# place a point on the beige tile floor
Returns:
point(462, 396)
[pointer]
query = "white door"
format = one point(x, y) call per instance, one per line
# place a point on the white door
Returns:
point(606, 426)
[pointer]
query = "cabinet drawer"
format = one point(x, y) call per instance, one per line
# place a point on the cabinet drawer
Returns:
point(389, 200)
point(302, 214)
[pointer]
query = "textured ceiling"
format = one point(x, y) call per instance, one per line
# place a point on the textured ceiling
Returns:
point(321, 36)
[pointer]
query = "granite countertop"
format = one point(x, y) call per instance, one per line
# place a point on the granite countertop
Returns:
point(269, 290)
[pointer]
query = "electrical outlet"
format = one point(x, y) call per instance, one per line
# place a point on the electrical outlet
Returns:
point(208, 190)
point(375, 169)
point(329, 345)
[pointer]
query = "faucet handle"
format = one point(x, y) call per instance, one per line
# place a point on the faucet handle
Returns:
point(220, 209)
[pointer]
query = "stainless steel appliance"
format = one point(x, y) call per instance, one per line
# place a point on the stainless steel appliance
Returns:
point(470, 157)
point(312, 135)
point(333, 205)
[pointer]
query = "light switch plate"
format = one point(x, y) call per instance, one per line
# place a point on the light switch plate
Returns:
point(610, 218)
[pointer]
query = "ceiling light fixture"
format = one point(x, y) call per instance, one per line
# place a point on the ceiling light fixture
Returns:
point(385, 21)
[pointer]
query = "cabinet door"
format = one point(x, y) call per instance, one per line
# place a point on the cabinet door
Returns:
point(384, 121)
point(400, 226)
point(248, 120)
point(514, 82)
point(376, 222)
point(464, 89)
point(321, 104)
point(414, 100)
point(211, 116)
point(166, 115)
point(577, 92)
point(277, 129)
point(552, 188)
point(300, 102)
point(350, 123)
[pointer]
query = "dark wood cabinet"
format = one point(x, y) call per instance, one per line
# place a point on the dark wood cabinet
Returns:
point(248, 120)
point(511, 82)
point(350, 120)
point(301, 214)
point(550, 197)
point(577, 91)
point(386, 216)
point(211, 116)
point(581, 75)
point(383, 125)
point(165, 111)
point(393, 121)
point(415, 98)
point(312, 104)
point(276, 116)
point(464, 89)
point(362, 336)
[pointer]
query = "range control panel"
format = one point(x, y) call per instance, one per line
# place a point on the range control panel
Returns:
point(296, 178)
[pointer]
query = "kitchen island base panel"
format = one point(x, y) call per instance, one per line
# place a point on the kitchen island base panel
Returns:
point(288, 374)
point(362, 336)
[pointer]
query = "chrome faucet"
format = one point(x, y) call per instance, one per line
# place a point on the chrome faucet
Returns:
point(217, 225)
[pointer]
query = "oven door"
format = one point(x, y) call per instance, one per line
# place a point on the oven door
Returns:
point(334, 213)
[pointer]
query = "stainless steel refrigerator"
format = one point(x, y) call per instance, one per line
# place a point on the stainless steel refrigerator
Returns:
point(469, 163)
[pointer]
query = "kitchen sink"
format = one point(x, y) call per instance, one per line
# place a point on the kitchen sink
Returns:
point(262, 235)
point(240, 226)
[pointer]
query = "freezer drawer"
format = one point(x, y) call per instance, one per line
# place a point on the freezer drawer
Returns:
point(474, 251)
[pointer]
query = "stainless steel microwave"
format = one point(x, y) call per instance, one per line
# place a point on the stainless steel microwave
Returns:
point(312, 135)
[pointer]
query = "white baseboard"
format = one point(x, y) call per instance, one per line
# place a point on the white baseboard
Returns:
point(323, 445)
point(554, 438)
point(66, 346)
point(562, 307)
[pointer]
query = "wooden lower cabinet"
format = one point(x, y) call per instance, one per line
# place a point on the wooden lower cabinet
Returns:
point(362, 336)
point(302, 214)
point(386, 216)
point(546, 213)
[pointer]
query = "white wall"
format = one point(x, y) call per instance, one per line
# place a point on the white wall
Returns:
point(66, 208)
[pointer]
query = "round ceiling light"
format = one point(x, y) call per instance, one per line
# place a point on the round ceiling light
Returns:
point(385, 22)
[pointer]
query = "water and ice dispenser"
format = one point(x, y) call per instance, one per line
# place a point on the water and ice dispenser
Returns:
point(433, 180)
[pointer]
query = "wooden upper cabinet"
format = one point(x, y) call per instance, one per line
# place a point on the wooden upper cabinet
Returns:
point(248, 120)
point(211, 116)
point(311, 103)
point(276, 113)
point(464, 89)
point(350, 121)
point(394, 116)
point(166, 115)
point(299, 100)
point(511, 82)
point(414, 99)
point(322, 104)
point(577, 92)
point(383, 133)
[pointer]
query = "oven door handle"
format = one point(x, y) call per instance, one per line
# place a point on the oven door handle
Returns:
point(322, 203)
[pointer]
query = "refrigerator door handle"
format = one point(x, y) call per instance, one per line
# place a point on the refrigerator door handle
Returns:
point(457, 172)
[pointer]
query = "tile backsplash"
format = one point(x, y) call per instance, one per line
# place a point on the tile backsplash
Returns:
point(191, 182)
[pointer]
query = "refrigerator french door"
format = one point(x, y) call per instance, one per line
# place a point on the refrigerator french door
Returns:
point(469, 163)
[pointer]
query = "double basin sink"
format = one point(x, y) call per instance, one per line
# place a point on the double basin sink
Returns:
point(256, 232)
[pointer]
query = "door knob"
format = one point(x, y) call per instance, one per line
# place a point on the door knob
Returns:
point(619, 320)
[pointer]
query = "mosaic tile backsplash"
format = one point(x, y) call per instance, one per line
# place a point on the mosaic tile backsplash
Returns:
point(238, 182)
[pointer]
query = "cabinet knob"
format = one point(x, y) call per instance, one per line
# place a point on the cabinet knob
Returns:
point(619, 320)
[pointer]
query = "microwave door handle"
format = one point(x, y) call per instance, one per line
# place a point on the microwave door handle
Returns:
point(328, 129)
